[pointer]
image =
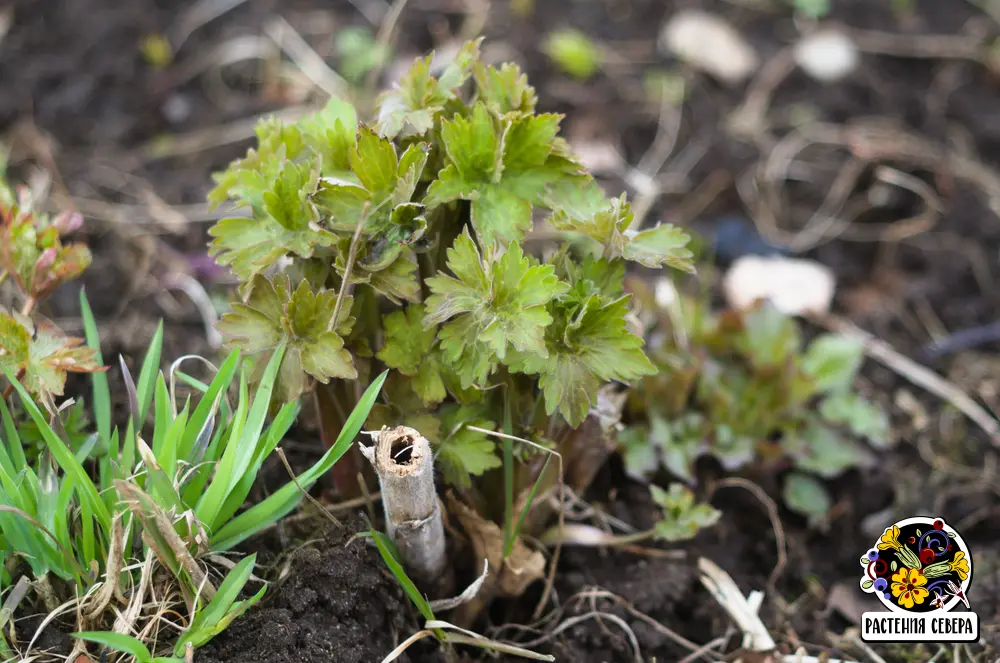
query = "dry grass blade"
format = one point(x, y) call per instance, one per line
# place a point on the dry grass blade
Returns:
point(466, 596)
point(14, 598)
point(125, 620)
point(467, 637)
point(697, 652)
point(191, 287)
point(403, 646)
point(155, 519)
point(772, 514)
point(116, 558)
point(593, 614)
point(352, 256)
point(382, 40)
point(724, 589)
point(210, 137)
point(919, 375)
point(305, 58)
point(54, 614)
point(199, 14)
point(315, 502)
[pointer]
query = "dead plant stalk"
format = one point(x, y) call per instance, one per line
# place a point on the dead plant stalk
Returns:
point(403, 460)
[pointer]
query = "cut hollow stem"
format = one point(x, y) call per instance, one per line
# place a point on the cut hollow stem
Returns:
point(404, 463)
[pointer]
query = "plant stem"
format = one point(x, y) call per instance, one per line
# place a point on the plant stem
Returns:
point(10, 388)
point(29, 306)
point(343, 475)
point(405, 465)
point(352, 255)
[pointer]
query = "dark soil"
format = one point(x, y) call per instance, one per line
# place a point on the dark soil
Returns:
point(337, 604)
point(76, 96)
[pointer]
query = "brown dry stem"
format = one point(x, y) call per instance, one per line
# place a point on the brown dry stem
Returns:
point(404, 463)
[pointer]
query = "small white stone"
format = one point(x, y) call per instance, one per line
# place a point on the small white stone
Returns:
point(707, 42)
point(665, 293)
point(827, 55)
point(599, 157)
point(793, 286)
point(177, 108)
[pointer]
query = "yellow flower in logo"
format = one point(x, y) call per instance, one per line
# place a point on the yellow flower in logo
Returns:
point(908, 587)
point(960, 565)
point(890, 539)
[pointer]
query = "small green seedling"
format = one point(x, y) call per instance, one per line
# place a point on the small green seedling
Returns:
point(574, 53)
point(744, 389)
point(682, 517)
point(34, 255)
point(814, 9)
point(359, 53)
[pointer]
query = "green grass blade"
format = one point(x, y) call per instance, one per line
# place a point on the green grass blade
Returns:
point(275, 433)
point(509, 546)
point(167, 454)
point(13, 439)
point(161, 487)
point(16, 476)
point(107, 470)
point(240, 450)
point(192, 382)
point(64, 457)
point(83, 453)
point(213, 497)
point(147, 375)
point(118, 642)
point(13, 481)
point(37, 540)
point(208, 631)
point(202, 462)
point(87, 538)
point(163, 414)
point(207, 622)
point(286, 498)
point(16, 524)
point(127, 459)
point(381, 541)
point(208, 404)
point(508, 478)
point(99, 381)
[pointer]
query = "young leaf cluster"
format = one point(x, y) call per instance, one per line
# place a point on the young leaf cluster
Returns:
point(34, 256)
point(401, 242)
point(744, 388)
point(682, 517)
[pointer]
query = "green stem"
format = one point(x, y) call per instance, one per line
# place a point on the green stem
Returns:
point(508, 477)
